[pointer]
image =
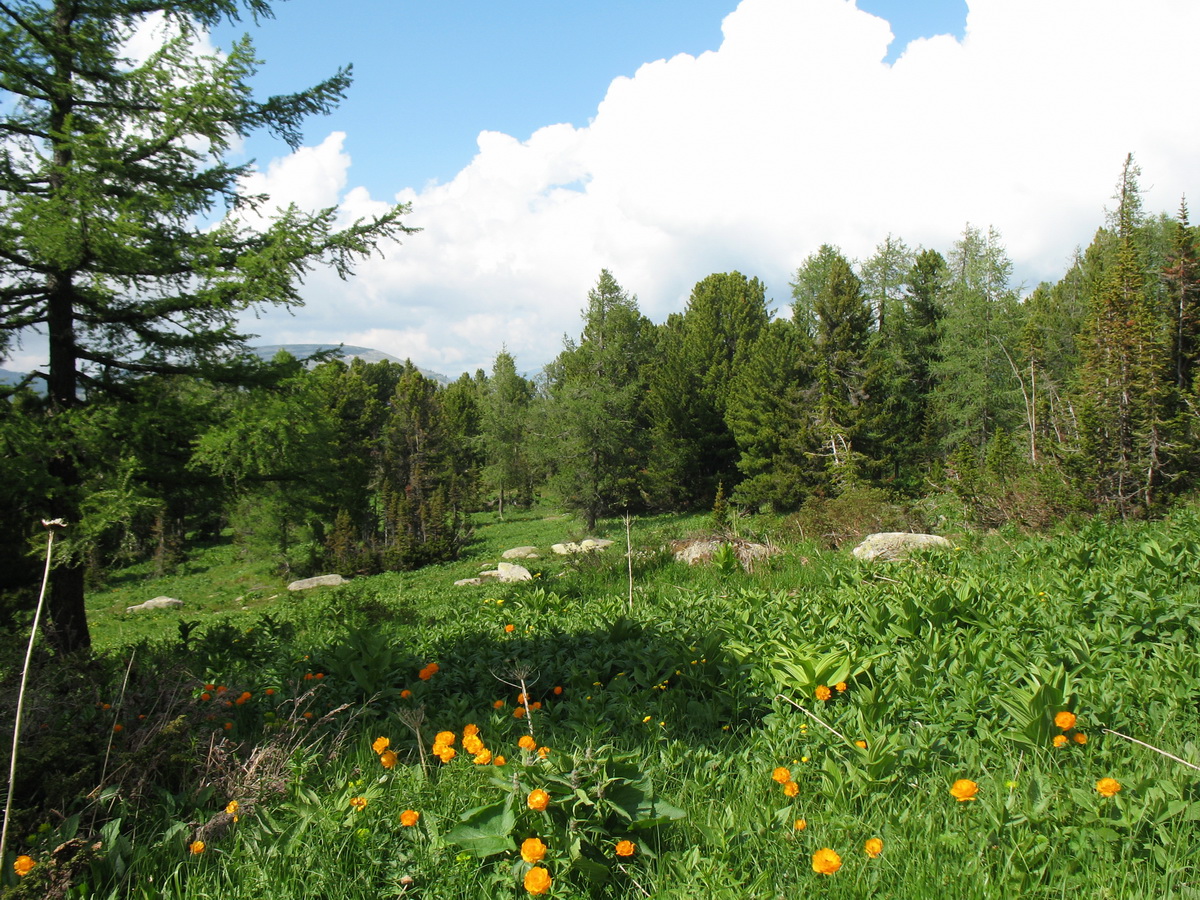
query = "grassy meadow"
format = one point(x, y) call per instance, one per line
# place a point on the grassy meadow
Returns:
point(1016, 717)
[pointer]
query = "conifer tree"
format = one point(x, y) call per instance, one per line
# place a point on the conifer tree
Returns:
point(1125, 368)
point(111, 172)
point(597, 405)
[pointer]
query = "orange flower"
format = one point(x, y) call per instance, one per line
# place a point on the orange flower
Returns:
point(387, 759)
point(519, 712)
point(537, 880)
point(964, 789)
point(861, 745)
point(380, 744)
point(782, 775)
point(499, 704)
point(1065, 720)
point(409, 818)
point(447, 754)
point(873, 847)
point(626, 848)
point(538, 800)
point(543, 752)
point(359, 803)
point(840, 686)
point(210, 687)
point(472, 744)
point(521, 698)
point(196, 847)
point(483, 757)
point(1060, 740)
point(308, 715)
point(826, 861)
point(533, 850)
point(1108, 787)
point(444, 737)
point(823, 693)
point(308, 676)
point(320, 675)
point(229, 725)
point(270, 692)
point(24, 865)
point(526, 742)
point(405, 694)
point(800, 824)
point(428, 672)
point(1080, 737)
point(791, 789)
point(509, 629)
point(536, 704)
point(118, 727)
point(470, 729)
point(558, 691)
point(232, 807)
point(499, 761)
point(206, 696)
point(220, 689)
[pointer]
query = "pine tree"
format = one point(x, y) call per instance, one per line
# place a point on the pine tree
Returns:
point(111, 171)
point(505, 427)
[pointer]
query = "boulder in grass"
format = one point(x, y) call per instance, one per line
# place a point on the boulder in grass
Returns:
point(466, 582)
point(318, 581)
point(588, 545)
point(156, 603)
point(520, 553)
point(897, 544)
point(510, 572)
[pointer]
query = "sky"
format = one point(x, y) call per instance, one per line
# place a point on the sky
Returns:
point(541, 141)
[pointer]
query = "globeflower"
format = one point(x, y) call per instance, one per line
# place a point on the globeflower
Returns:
point(526, 742)
point(873, 847)
point(533, 850)
point(800, 824)
point(782, 775)
point(24, 865)
point(822, 692)
point(387, 759)
point(840, 686)
point(791, 789)
point(196, 847)
point(826, 861)
point(380, 744)
point(537, 880)
point(1080, 737)
point(1065, 720)
point(538, 800)
point(232, 808)
point(964, 789)
point(626, 848)
point(444, 737)
point(359, 803)
point(1108, 787)
point(409, 818)
point(1060, 740)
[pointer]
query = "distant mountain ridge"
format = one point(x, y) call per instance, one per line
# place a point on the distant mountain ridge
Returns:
point(348, 352)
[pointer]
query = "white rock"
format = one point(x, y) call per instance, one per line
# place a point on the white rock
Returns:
point(895, 544)
point(317, 581)
point(156, 603)
point(510, 572)
point(520, 553)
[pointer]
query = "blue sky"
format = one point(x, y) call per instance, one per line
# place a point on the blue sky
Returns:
point(540, 141)
point(430, 76)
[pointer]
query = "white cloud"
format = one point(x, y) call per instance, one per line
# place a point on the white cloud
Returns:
point(793, 133)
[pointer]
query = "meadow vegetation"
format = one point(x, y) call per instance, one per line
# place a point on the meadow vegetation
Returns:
point(958, 724)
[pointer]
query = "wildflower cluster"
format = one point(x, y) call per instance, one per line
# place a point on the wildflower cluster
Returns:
point(1065, 722)
point(783, 775)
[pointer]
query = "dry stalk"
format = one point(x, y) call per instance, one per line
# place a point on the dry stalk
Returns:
point(50, 525)
point(1152, 747)
point(414, 718)
point(521, 672)
point(814, 717)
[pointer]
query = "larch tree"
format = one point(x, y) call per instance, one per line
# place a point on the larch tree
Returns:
point(112, 173)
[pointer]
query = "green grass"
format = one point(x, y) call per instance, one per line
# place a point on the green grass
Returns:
point(671, 718)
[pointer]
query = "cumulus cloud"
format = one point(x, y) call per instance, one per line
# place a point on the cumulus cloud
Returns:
point(793, 133)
